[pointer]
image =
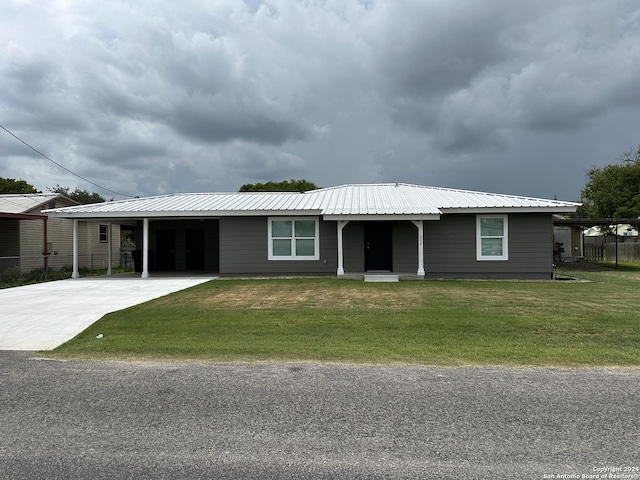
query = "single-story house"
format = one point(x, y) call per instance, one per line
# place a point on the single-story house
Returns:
point(30, 239)
point(408, 230)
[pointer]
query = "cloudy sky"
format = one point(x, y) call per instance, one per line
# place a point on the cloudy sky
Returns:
point(147, 97)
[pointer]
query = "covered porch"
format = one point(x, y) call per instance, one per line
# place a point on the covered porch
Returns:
point(391, 245)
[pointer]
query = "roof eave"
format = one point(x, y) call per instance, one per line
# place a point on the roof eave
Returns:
point(23, 216)
point(181, 214)
point(558, 209)
point(382, 217)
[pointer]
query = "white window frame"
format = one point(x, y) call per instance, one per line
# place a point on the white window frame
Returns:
point(504, 237)
point(293, 256)
point(106, 233)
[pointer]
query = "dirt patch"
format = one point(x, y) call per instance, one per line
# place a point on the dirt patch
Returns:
point(584, 267)
point(283, 296)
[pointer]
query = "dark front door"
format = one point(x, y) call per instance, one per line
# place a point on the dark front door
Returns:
point(378, 252)
point(165, 249)
point(194, 240)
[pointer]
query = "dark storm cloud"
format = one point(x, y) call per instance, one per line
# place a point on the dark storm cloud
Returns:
point(500, 71)
point(227, 121)
point(266, 164)
point(429, 49)
point(200, 95)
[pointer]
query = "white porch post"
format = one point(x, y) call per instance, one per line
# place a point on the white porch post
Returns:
point(420, 225)
point(75, 273)
point(110, 246)
point(341, 225)
point(145, 248)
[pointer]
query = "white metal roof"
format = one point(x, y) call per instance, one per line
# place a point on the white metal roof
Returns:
point(396, 200)
point(25, 202)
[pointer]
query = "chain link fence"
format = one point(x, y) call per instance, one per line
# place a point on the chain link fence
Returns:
point(17, 269)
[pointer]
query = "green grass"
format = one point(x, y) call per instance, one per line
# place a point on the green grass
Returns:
point(433, 322)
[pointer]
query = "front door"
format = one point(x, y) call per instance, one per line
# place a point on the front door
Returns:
point(165, 249)
point(194, 242)
point(378, 251)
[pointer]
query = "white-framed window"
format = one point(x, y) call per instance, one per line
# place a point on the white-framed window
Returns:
point(293, 238)
point(104, 234)
point(492, 237)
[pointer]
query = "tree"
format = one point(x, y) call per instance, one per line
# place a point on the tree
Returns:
point(613, 191)
point(11, 185)
point(283, 186)
point(80, 196)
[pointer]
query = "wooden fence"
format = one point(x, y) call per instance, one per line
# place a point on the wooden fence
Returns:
point(606, 252)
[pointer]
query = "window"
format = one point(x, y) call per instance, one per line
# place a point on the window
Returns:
point(104, 234)
point(293, 239)
point(492, 233)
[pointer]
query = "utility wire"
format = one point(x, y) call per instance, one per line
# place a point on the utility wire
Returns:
point(63, 167)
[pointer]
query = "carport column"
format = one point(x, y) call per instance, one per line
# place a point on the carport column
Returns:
point(420, 225)
point(110, 246)
point(75, 273)
point(341, 225)
point(145, 248)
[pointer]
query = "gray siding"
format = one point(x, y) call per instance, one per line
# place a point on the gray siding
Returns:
point(405, 248)
point(404, 244)
point(244, 249)
point(450, 248)
point(239, 246)
point(353, 247)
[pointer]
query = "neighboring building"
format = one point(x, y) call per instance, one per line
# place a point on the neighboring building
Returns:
point(568, 241)
point(624, 230)
point(596, 239)
point(30, 239)
point(409, 230)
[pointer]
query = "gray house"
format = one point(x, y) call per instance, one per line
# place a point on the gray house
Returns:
point(407, 230)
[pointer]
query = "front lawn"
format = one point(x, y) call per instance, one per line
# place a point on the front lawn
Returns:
point(423, 322)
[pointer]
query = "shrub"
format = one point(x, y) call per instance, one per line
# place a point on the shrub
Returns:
point(13, 277)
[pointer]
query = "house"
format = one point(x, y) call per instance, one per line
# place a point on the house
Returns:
point(409, 230)
point(30, 239)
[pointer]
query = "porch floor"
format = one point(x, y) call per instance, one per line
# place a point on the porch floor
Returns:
point(371, 277)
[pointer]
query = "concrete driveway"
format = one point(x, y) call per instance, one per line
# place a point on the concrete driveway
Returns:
point(45, 315)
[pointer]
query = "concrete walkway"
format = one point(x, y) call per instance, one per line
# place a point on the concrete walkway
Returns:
point(45, 315)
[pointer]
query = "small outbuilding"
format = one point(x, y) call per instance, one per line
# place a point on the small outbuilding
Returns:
point(408, 230)
point(31, 239)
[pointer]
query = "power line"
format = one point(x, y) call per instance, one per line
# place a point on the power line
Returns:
point(63, 167)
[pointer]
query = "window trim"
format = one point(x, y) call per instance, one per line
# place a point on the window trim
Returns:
point(504, 237)
point(293, 256)
point(106, 233)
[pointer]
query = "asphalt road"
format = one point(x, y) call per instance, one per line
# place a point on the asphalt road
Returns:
point(126, 420)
